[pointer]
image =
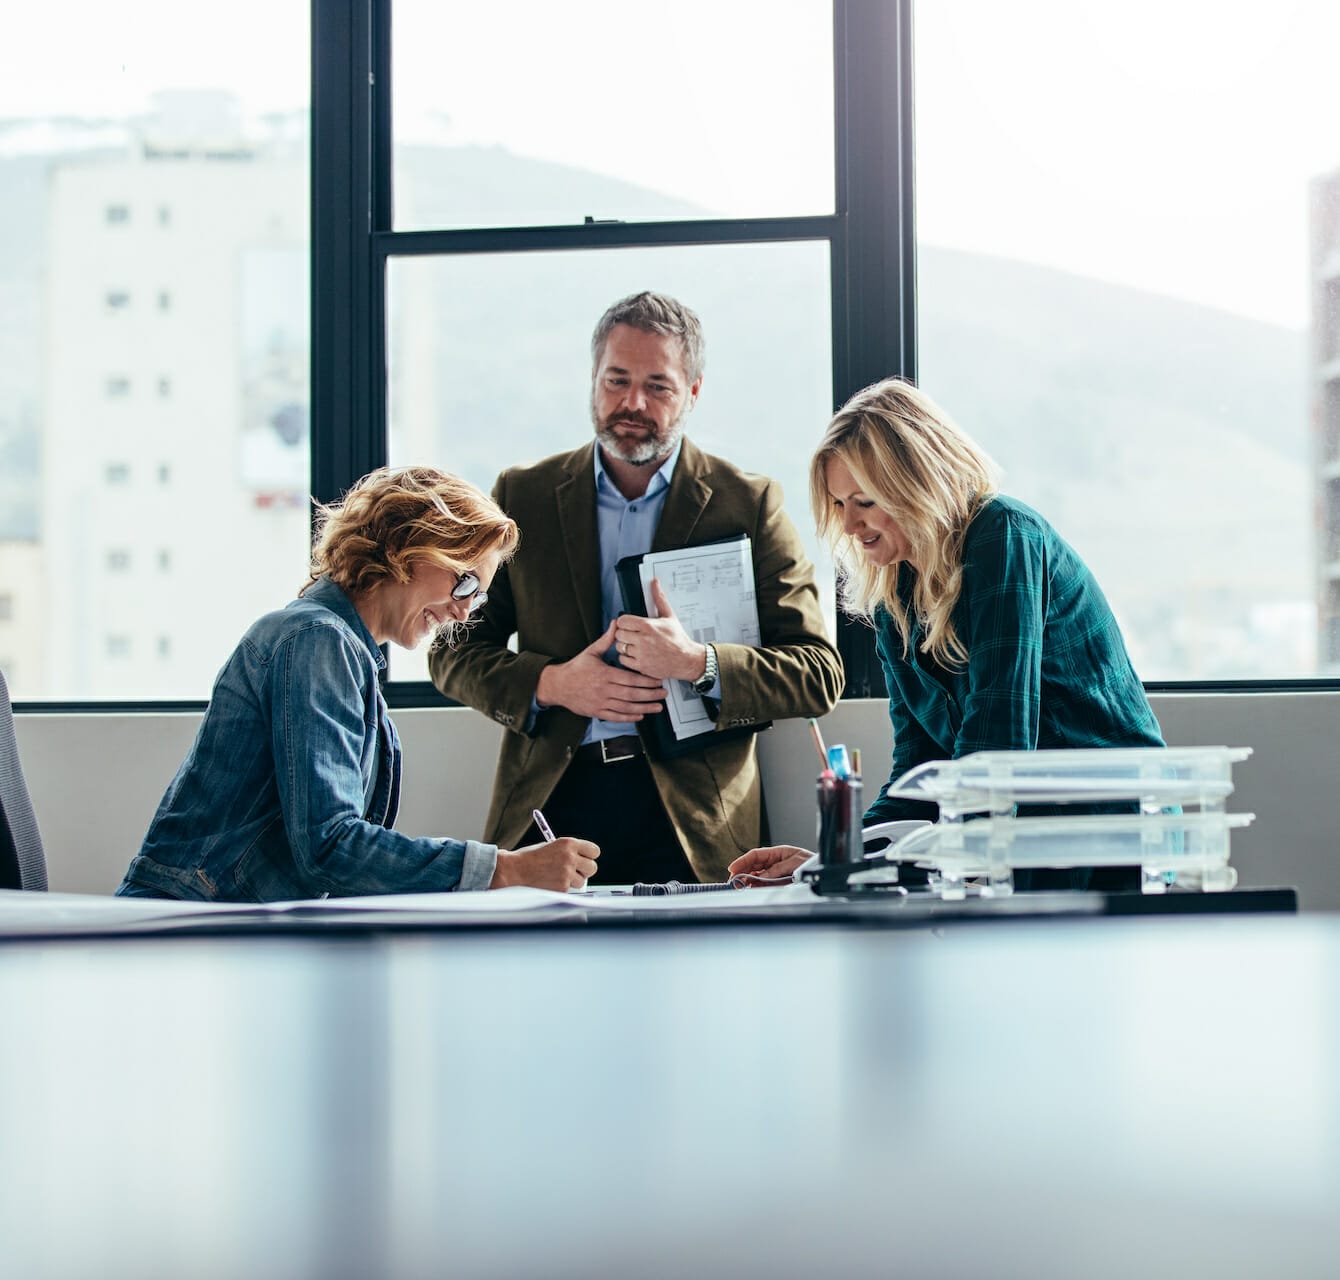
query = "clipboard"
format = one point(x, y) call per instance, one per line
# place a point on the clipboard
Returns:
point(711, 585)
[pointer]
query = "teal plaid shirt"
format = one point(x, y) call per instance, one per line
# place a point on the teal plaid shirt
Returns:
point(1046, 667)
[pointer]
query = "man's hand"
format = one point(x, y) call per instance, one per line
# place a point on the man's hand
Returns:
point(560, 865)
point(659, 646)
point(776, 862)
point(589, 686)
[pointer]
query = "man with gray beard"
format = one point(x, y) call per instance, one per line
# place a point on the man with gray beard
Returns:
point(575, 692)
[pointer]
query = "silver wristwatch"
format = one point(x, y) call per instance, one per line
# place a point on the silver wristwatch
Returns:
point(704, 683)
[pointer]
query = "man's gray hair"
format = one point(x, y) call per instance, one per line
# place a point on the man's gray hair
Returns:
point(655, 313)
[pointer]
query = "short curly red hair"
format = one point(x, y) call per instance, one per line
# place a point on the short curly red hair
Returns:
point(395, 518)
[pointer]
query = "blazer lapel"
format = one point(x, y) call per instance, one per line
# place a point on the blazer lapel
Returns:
point(685, 502)
point(576, 498)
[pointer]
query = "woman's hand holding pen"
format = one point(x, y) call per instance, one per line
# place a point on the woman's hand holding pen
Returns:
point(589, 686)
point(659, 646)
point(560, 865)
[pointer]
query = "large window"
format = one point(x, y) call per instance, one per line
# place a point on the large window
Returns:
point(1128, 244)
point(1126, 284)
point(511, 194)
point(154, 381)
point(488, 354)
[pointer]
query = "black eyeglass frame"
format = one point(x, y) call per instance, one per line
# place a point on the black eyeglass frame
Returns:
point(467, 588)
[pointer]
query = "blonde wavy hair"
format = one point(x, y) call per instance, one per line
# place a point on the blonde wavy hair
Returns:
point(917, 465)
point(394, 519)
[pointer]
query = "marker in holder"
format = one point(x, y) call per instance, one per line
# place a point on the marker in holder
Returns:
point(841, 808)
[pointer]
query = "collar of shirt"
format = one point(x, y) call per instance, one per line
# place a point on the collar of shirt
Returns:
point(626, 526)
point(658, 483)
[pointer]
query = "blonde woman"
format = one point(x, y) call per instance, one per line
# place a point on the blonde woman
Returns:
point(992, 632)
point(291, 786)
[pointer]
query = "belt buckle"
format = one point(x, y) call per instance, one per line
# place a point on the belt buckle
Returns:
point(607, 758)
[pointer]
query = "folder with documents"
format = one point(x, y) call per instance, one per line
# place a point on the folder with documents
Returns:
point(711, 588)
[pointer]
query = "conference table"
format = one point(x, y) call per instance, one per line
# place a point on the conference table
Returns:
point(1068, 1096)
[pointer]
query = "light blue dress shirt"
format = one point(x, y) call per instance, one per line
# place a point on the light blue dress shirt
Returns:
point(624, 527)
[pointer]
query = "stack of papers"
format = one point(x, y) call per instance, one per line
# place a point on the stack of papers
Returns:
point(711, 589)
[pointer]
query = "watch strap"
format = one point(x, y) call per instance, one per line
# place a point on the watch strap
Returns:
point(708, 678)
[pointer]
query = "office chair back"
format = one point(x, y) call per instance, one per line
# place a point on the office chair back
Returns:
point(23, 864)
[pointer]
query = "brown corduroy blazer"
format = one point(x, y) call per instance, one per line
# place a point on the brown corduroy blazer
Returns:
point(549, 596)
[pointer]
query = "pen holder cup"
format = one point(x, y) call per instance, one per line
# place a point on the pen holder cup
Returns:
point(840, 812)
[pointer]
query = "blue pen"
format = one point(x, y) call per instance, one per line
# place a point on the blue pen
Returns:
point(545, 829)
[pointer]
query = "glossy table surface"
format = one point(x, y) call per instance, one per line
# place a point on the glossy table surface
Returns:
point(1058, 1098)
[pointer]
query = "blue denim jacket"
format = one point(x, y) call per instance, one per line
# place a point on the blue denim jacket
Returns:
point(292, 783)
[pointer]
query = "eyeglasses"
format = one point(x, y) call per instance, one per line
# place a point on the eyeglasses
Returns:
point(467, 588)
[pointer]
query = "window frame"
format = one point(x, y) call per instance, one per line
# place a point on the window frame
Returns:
point(870, 234)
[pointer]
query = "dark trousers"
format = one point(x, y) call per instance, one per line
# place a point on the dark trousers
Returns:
point(618, 807)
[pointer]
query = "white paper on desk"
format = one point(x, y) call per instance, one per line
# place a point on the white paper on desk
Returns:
point(451, 903)
point(95, 915)
point(23, 912)
point(711, 589)
point(518, 900)
point(47, 914)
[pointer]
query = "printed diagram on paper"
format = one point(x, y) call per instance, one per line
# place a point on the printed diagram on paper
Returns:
point(711, 589)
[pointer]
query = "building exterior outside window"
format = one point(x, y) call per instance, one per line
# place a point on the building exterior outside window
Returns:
point(1326, 412)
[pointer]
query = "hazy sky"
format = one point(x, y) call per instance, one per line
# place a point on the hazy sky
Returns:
point(1166, 144)
point(1163, 143)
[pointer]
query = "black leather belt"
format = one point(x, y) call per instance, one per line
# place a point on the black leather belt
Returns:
point(610, 750)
